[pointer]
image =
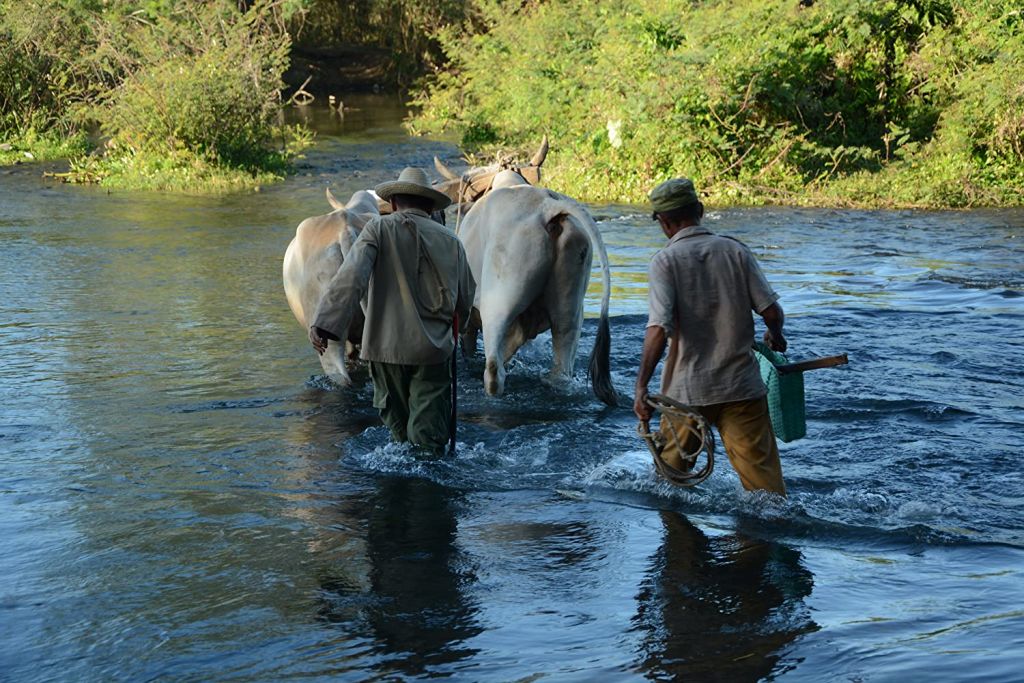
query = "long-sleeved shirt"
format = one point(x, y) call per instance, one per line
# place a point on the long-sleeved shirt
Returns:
point(702, 290)
point(414, 274)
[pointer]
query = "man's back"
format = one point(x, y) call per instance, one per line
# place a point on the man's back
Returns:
point(703, 289)
point(416, 277)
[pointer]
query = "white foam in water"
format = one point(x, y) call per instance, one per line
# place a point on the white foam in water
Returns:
point(501, 458)
point(919, 511)
point(391, 457)
point(856, 501)
point(628, 467)
point(633, 472)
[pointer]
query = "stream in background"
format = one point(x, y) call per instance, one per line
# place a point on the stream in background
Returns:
point(183, 496)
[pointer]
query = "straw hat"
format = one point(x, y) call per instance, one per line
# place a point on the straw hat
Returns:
point(413, 181)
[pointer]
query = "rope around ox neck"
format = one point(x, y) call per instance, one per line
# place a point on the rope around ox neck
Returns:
point(684, 425)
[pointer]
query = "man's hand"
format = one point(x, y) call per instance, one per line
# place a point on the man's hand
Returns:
point(640, 407)
point(775, 341)
point(318, 339)
point(774, 319)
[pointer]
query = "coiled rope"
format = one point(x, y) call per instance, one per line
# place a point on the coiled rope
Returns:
point(682, 424)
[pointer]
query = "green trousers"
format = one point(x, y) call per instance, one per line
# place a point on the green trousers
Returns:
point(415, 402)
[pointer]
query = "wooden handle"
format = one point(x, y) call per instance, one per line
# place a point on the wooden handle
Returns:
point(813, 364)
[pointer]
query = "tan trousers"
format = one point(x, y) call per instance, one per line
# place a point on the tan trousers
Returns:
point(746, 431)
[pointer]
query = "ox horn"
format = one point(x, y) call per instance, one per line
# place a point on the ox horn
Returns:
point(445, 172)
point(541, 154)
point(332, 200)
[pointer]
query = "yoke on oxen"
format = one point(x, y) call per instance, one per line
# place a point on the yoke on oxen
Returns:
point(468, 187)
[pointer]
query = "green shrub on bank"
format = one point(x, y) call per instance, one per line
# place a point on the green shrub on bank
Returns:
point(31, 145)
point(201, 100)
point(42, 72)
point(184, 95)
point(896, 102)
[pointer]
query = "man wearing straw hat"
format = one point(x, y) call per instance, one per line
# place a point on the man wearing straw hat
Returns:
point(702, 289)
point(417, 282)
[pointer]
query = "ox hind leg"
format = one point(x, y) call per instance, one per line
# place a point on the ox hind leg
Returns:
point(471, 334)
point(514, 280)
point(564, 296)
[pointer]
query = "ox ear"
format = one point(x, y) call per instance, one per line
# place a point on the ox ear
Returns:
point(531, 174)
point(333, 201)
point(541, 154)
point(445, 172)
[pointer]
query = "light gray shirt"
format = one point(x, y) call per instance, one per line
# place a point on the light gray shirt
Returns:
point(414, 274)
point(702, 289)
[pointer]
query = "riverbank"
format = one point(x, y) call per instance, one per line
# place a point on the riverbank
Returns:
point(849, 103)
point(854, 103)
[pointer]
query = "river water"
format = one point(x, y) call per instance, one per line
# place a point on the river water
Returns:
point(183, 497)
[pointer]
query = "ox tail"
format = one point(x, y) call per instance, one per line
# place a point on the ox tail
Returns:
point(600, 358)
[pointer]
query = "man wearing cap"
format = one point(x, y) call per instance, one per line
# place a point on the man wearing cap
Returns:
point(416, 279)
point(702, 289)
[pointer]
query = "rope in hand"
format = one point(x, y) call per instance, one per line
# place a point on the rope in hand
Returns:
point(694, 428)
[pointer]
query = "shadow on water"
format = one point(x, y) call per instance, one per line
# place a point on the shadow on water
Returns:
point(410, 602)
point(719, 608)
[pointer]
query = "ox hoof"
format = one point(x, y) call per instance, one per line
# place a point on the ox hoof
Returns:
point(558, 381)
point(340, 380)
point(338, 375)
point(494, 383)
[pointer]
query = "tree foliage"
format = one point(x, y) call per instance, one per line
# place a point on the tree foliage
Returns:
point(169, 85)
point(911, 102)
point(407, 30)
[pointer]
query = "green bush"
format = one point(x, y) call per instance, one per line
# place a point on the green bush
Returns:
point(211, 87)
point(180, 92)
point(846, 101)
point(42, 76)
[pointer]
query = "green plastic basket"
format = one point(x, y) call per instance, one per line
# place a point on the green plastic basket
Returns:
point(785, 395)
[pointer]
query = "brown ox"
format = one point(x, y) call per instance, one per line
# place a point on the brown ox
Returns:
point(314, 256)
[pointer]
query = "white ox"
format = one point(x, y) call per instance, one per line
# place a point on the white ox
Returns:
point(530, 250)
point(313, 257)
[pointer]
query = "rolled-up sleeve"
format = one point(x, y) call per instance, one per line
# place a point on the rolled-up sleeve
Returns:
point(661, 299)
point(347, 287)
point(761, 293)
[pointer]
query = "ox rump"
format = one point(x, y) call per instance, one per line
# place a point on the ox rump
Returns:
point(313, 258)
point(531, 250)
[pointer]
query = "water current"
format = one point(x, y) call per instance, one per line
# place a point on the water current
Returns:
point(184, 497)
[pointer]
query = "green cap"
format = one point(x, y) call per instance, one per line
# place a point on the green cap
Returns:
point(673, 194)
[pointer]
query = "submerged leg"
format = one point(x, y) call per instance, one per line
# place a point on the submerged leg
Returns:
point(749, 441)
point(333, 363)
point(391, 396)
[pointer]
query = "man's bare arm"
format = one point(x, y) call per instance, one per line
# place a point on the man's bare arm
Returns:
point(654, 347)
point(774, 319)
